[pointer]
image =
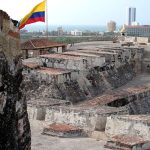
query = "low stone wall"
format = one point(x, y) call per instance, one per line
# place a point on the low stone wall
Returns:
point(36, 113)
point(37, 108)
point(55, 50)
point(90, 60)
point(131, 125)
point(143, 40)
point(89, 119)
point(66, 64)
point(58, 78)
point(80, 63)
point(130, 39)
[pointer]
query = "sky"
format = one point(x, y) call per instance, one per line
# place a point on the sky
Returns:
point(81, 12)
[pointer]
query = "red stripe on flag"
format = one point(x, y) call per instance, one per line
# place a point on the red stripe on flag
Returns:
point(33, 20)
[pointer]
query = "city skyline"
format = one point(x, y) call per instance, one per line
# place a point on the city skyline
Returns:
point(85, 12)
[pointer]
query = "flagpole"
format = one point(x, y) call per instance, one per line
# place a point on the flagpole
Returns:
point(46, 18)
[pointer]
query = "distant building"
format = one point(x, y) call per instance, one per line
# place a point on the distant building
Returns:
point(135, 24)
point(60, 31)
point(131, 14)
point(36, 47)
point(76, 33)
point(138, 31)
point(111, 26)
point(23, 31)
point(43, 32)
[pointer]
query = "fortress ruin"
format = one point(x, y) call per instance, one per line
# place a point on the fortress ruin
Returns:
point(79, 91)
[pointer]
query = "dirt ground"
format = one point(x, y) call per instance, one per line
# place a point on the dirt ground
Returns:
point(44, 142)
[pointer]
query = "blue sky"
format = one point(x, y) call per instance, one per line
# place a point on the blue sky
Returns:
point(81, 12)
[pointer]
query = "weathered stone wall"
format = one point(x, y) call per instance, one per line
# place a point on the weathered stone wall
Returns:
point(86, 85)
point(87, 81)
point(109, 79)
point(141, 104)
point(134, 100)
point(49, 78)
point(59, 50)
point(82, 118)
point(146, 65)
point(143, 40)
point(130, 39)
point(14, 128)
point(137, 99)
point(36, 113)
point(130, 125)
point(80, 63)
point(88, 118)
point(76, 64)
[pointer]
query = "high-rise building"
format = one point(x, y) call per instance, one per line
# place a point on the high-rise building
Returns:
point(111, 26)
point(60, 31)
point(131, 15)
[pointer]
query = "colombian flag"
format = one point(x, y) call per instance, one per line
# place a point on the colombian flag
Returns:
point(36, 14)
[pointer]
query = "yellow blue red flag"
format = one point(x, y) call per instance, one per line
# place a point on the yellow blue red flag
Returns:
point(37, 14)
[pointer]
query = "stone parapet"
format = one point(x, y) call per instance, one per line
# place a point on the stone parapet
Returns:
point(136, 125)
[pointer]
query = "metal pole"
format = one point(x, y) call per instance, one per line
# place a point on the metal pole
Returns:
point(46, 18)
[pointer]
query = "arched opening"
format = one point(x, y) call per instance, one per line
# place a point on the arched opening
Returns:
point(119, 103)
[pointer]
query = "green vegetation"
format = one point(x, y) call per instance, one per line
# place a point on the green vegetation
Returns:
point(68, 39)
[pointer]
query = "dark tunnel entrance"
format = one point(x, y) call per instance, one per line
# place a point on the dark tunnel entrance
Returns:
point(119, 103)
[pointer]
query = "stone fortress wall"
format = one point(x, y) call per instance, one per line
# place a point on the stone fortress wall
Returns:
point(121, 65)
point(84, 87)
point(78, 84)
point(14, 128)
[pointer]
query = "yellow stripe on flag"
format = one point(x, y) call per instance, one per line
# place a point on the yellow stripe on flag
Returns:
point(38, 8)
